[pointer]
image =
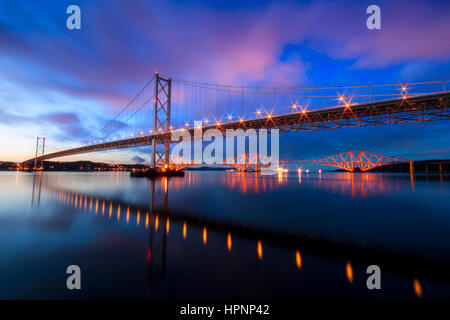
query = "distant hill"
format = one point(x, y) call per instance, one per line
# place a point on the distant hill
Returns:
point(7, 166)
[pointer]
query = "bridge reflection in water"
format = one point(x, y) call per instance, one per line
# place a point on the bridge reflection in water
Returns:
point(158, 212)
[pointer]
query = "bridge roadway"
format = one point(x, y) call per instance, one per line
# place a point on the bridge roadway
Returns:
point(401, 110)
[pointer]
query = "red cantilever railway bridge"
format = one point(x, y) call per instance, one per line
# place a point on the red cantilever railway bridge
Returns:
point(421, 108)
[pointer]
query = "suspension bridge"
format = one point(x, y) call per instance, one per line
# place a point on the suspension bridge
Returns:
point(165, 106)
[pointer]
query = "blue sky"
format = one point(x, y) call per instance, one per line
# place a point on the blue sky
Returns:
point(65, 84)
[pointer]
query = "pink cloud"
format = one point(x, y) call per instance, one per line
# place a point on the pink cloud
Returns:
point(409, 30)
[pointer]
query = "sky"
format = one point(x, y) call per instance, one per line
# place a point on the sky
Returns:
point(66, 84)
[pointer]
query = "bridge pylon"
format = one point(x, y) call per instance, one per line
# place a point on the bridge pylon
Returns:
point(40, 151)
point(161, 121)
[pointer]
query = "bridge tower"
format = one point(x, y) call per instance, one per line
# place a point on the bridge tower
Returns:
point(40, 150)
point(161, 120)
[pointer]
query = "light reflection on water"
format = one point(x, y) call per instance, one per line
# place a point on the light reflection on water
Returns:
point(225, 234)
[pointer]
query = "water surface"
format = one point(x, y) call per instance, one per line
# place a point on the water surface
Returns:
point(224, 235)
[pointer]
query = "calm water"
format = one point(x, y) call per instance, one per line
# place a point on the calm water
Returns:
point(217, 235)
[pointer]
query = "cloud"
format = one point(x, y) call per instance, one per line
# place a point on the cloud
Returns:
point(138, 159)
point(67, 124)
point(410, 30)
point(63, 118)
point(63, 126)
point(124, 44)
point(8, 118)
